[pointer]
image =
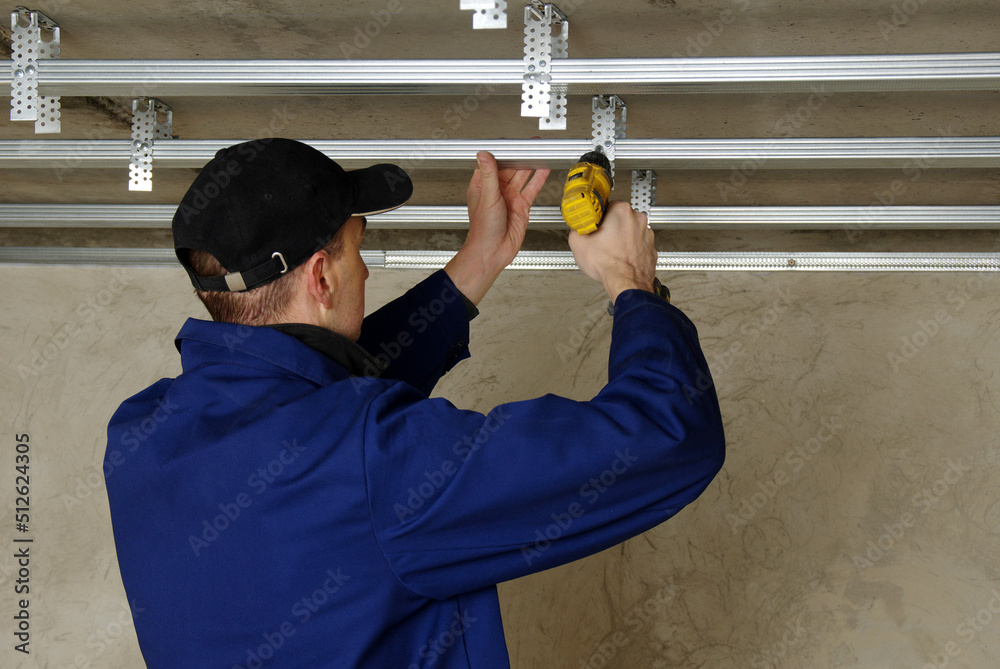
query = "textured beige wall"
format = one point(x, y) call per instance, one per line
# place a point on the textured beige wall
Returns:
point(904, 468)
point(856, 522)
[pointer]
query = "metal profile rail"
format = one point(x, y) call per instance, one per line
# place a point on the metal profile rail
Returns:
point(560, 260)
point(766, 261)
point(417, 217)
point(756, 74)
point(915, 153)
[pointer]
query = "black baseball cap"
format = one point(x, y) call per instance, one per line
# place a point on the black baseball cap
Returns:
point(264, 207)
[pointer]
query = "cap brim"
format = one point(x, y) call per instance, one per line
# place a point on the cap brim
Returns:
point(380, 188)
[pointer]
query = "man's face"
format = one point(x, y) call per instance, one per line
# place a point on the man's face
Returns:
point(348, 274)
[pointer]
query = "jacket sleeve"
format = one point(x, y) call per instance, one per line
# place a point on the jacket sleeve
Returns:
point(422, 334)
point(461, 500)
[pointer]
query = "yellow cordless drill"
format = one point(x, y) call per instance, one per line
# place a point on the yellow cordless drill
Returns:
point(586, 193)
point(585, 201)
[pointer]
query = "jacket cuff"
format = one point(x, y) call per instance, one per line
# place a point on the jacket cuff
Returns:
point(450, 310)
point(629, 300)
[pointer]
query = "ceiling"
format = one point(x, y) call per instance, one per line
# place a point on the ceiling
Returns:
point(259, 29)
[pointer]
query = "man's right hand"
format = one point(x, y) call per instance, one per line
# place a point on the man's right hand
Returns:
point(620, 254)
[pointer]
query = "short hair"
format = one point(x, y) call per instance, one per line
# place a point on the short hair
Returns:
point(258, 306)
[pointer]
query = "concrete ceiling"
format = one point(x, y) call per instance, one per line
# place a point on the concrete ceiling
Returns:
point(257, 29)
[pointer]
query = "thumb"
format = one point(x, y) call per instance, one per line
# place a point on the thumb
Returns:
point(488, 172)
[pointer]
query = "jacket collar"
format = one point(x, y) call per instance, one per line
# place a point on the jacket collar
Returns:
point(314, 353)
point(335, 346)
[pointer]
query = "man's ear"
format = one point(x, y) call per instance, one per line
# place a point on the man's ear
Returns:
point(320, 281)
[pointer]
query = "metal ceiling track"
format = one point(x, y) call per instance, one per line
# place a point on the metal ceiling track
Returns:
point(756, 74)
point(555, 260)
point(906, 153)
point(416, 217)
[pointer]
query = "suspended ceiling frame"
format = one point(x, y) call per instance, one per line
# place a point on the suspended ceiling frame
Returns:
point(914, 72)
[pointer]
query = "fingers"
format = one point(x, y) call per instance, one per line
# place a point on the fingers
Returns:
point(534, 186)
point(515, 179)
point(621, 253)
point(619, 212)
point(477, 180)
point(489, 175)
point(488, 171)
point(475, 186)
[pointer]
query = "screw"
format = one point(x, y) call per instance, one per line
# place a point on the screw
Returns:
point(30, 70)
point(19, 74)
point(607, 143)
point(791, 262)
point(531, 68)
point(541, 63)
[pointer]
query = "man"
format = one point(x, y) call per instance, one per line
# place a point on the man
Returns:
point(297, 500)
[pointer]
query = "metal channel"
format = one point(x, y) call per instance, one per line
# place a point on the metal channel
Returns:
point(418, 217)
point(738, 262)
point(554, 260)
point(785, 153)
point(165, 78)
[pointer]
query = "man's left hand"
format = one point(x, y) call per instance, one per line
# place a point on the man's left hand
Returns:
point(499, 205)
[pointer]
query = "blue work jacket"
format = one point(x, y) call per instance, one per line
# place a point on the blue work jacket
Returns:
point(270, 509)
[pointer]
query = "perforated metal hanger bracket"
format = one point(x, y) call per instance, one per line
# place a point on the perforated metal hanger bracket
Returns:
point(546, 36)
point(643, 190)
point(489, 14)
point(27, 28)
point(147, 128)
point(610, 116)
